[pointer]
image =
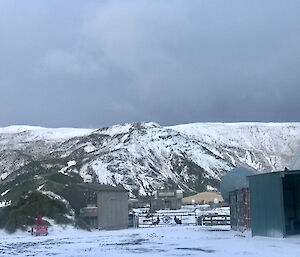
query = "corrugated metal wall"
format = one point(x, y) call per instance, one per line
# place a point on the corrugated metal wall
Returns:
point(266, 209)
point(112, 209)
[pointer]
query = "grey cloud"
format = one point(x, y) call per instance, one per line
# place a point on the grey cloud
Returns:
point(97, 63)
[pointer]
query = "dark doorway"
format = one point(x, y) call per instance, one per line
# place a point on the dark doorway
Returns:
point(291, 200)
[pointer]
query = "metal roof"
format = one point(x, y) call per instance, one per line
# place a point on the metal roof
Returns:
point(101, 187)
point(281, 173)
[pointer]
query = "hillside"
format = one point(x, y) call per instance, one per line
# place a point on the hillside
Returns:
point(141, 156)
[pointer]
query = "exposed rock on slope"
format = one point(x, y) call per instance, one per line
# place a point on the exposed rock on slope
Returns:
point(144, 156)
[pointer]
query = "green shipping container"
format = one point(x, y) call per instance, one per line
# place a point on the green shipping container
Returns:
point(275, 203)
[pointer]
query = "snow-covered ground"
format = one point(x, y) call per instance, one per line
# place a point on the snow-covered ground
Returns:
point(159, 241)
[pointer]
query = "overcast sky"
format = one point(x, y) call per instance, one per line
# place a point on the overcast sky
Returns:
point(98, 63)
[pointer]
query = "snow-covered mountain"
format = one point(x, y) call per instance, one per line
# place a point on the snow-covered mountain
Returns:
point(145, 156)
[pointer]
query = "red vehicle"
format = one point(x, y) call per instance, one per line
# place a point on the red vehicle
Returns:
point(39, 230)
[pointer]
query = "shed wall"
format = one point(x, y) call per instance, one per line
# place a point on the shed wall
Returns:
point(266, 208)
point(162, 204)
point(112, 210)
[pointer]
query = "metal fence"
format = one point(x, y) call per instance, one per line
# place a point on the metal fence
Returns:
point(213, 220)
point(167, 219)
point(175, 218)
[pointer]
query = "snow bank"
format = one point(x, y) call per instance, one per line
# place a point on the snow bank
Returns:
point(3, 175)
point(5, 192)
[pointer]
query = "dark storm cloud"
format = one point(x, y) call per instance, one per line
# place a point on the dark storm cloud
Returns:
point(97, 63)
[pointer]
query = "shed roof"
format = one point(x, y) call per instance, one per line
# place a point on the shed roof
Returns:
point(101, 187)
point(282, 173)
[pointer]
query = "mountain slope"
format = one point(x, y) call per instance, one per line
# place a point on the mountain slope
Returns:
point(142, 156)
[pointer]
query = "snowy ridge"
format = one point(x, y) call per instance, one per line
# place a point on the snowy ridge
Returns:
point(20, 134)
point(145, 156)
point(278, 141)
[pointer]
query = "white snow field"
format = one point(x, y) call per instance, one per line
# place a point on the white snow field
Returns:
point(159, 241)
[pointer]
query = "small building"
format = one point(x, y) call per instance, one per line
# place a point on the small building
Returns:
point(166, 199)
point(239, 204)
point(275, 203)
point(203, 198)
point(234, 189)
point(107, 206)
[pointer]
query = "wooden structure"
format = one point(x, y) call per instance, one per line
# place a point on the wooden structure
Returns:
point(239, 209)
